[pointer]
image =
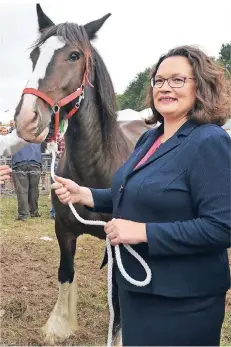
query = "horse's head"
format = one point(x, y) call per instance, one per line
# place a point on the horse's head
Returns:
point(62, 60)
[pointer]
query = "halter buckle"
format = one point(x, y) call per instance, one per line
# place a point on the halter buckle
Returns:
point(80, 98)
point(56, 108)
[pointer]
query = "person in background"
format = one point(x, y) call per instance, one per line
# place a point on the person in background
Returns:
point(26, 165)
point(171, 201)
point(3, 131)
point(12, 126)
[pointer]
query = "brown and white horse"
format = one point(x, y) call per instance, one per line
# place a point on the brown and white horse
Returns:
point(66, 66)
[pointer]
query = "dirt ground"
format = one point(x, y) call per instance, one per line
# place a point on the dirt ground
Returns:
point(29, 284)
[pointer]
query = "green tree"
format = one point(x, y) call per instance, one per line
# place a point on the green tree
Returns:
point(225, 55)
point(134, 95)
point(225, 60)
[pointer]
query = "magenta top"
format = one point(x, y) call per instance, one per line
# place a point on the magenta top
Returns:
point(152, 150)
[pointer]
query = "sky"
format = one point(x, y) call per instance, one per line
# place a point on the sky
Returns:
point(132, 39)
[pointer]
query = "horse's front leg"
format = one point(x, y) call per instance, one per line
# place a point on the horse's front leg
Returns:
point(63, 319)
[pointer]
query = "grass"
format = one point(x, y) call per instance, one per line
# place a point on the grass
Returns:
point(29, 284)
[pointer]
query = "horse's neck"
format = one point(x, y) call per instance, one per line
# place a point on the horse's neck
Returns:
point(90, 158)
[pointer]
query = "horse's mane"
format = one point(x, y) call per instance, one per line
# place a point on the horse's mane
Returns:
point(106, 97)
point(75, 35)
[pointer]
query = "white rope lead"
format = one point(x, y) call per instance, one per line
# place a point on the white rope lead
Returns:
point(53, 150)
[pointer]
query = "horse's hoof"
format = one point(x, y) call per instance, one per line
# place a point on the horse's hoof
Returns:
point(57, 330)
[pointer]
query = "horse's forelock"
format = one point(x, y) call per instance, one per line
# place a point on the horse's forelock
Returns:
point(69, 33)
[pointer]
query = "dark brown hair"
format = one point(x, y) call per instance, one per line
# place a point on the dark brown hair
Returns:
point(213, 89)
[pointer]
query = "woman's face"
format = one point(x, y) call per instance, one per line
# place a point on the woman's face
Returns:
point(170, 102)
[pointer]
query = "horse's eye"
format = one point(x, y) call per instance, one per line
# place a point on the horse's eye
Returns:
point(74, 56)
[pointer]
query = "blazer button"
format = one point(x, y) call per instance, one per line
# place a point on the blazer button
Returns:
point(121, 188)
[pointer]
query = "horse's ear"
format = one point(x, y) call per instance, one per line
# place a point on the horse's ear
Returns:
point(92, 27)
point(43, 21)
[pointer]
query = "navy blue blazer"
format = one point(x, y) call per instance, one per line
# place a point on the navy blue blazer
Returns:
point(183, 195)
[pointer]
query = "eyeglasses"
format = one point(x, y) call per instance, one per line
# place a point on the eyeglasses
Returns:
point(173, 82)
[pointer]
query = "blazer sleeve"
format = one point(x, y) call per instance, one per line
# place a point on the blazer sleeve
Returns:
point(209, 180)
point(103, 197)
point(10, 144)
point(102, 200)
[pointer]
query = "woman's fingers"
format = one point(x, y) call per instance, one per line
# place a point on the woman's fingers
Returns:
point(112, 232)
point(64, 196)
point(61, 191)
point(65, 201)
point(56, 185)
point(109, 229)
point(65, 189)
point(112, 235)
point(62, 180)
point(109, 226)
point(65, 182)
point(115, 242)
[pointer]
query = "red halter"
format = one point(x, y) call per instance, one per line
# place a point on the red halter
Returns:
point(79, 93)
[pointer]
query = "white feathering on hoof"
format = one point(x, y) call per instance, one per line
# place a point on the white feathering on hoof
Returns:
point(62, 321)
point(147, 280)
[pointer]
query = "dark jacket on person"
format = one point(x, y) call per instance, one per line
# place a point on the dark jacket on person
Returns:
point(183, 195)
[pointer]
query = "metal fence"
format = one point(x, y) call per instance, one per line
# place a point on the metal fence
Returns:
point(44, 185)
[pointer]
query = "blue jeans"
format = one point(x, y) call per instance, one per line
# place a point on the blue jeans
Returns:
point(52, 210)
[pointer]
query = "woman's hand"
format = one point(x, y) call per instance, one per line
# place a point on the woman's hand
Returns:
point(69, 191)
point(5, 170)
point(125, 231)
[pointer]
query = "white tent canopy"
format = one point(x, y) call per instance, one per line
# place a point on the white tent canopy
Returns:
point(146, 113)
point(128, 115)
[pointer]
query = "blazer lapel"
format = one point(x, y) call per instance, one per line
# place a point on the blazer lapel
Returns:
point(162, 150)
point(166, 147)
point(135, 159)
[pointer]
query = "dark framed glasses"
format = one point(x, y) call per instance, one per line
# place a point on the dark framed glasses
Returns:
point(173, 82)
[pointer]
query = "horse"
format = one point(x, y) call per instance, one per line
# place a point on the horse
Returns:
point(67, 67)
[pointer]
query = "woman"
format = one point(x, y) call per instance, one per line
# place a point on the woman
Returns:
point(171, 201)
